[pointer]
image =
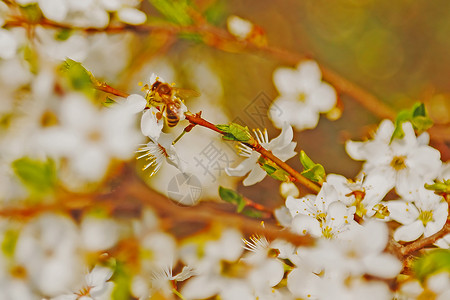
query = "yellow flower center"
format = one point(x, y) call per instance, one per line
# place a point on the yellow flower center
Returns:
point(426, 216)
point(327, 232)
point(398, 163)
point(233, 269)
point(301, 97)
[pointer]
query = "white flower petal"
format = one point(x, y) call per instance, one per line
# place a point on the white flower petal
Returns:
point(409, 233)
point(256, 175)
point(383, 265)
point(135, 103)
point(150, 125)
point(131, 16)
point(285, 80)
point(8, 44)
point(323, 98)
point(55, 10)
point(302, 224)
point(402, 211)
point(244, 167)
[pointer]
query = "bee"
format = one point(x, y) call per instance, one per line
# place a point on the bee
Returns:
point(169, 99)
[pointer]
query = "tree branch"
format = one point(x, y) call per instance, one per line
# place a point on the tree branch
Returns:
point(419, 244)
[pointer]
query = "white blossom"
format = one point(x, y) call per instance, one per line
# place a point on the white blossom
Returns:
point(159, 151)
point(321, 215)
point(95, 286)
point(364, 193)
point(98, 233)
point(47, 248)
point(425, 216)
point(358, 251)
point(405, 163)
point(303, 95)
point(239, 27)
point(281, 146)
point(213, 278)
point(89, 138)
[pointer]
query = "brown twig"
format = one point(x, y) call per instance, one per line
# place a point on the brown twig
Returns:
point(420, 244)
point(101, 86)
point(197, 120)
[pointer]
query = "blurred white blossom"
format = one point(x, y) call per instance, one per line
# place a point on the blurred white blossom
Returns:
point(303, 96)
point(89, 138)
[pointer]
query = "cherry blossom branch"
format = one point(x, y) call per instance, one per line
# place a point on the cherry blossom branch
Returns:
point(198, 120)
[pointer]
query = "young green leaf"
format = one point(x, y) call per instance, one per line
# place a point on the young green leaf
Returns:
point(122, 280)
point(418, 117)
point(63, 34)
point(275, 172)
point(432, 263)
point(252, 213)
point(316, 173)
point(176, 11)
point(235, 132)
point(8, 244)
point(312, 171)
point(307, 162)
point(78, 77)
point(109, 102)
point(39, 177)
point(439, 186)
point(232, 197)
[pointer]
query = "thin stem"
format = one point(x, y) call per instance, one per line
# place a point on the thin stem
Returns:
point(179, 137)
point(101, 86)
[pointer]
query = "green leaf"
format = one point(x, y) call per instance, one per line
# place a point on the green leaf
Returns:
point(307, 162)
point(418, 117)
point(30, 56)
point(439, 186)
point(216, 13)
point(109, 102)
point(32, 12)
point(431, 263)
point(275, 172)
point(176, 11)
point(9, 242)
point(122, 280)
point(39, 177)
point(316, 173)
point(312, 171)
point(232, 197)
point(235, 132)
point(78, 77)
point(63, 34)
point(252, 213)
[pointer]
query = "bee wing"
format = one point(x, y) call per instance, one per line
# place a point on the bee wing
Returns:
point(186, 93)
